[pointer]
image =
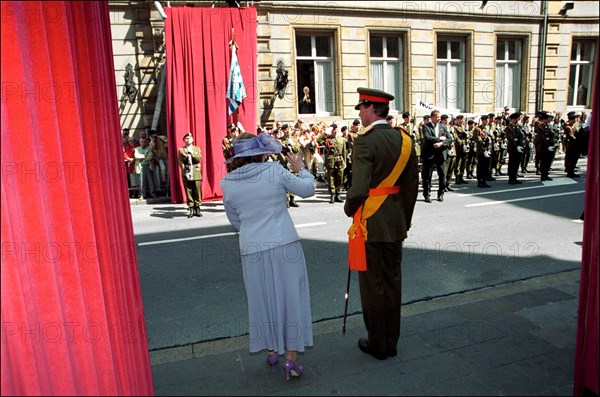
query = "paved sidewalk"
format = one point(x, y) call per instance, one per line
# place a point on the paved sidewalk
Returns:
point(512, 339)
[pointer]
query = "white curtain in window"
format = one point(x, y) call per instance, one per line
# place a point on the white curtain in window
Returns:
point(392, 87)
point(514, 85)
point(500, 84)
point(377, 75)
point(326, 87)
point(440, 89)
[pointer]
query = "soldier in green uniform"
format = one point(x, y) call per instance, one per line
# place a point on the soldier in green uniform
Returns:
point(497, 141)
point(472, 129)
point(461, 148)
point(376, 152)
point(335, 160)
point(189, 158)
point(526, 157)
point(451, 159)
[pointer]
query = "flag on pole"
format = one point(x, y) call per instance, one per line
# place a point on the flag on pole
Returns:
point(236, 92)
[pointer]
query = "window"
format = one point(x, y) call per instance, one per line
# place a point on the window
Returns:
point(386, 67)
point(580, 74)
point(450, 88)
point(508, 74)
point(314, 65)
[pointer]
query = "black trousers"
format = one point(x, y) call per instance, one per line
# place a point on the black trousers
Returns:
point(427, 173)
point(514, 159)
point(483, 168)
point(381, 294)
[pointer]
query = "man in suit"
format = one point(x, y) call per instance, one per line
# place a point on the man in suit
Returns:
point(436, 141)
point(377, 150)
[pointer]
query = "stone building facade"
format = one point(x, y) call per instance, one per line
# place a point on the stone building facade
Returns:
point(466, 57)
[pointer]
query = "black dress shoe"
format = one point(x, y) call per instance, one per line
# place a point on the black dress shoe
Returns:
point(440, 198)
point(392, 353)
point(363, 345)
point(573, 175)
point(490, 179)
point(449, 189)
point(292, 203)
point(337, 199)
point(427, 199)
point(546, 178)
point(197, 212)
point(191, 212)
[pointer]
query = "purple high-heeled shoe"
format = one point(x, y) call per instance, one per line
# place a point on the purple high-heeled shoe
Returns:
point(272, 360)
point(291, 368)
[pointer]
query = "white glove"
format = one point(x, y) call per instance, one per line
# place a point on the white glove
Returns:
point(551, 148)
point(530, 145)
point(486, 153)
point(475, 150)
point(520, 149)
point(189, 150)
point(496, 147)
point(503, 146)
point(465, 148)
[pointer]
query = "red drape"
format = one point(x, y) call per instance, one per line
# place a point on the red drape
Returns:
point(587, 371)
point(72, 316)
point(198, 60)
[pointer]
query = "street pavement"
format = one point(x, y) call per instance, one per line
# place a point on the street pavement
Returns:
point(490, 286)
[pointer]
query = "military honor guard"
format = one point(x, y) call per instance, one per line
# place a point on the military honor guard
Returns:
point(515, 139)
point(335, 161)
point(190, 158)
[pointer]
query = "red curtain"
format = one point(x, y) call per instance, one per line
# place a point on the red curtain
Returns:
point(198, 60)
point(72, 317)
point(587, 372)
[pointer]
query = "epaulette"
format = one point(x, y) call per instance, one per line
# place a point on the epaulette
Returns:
point(365, 130)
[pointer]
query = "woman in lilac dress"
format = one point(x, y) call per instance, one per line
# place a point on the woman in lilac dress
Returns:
point(274, 268)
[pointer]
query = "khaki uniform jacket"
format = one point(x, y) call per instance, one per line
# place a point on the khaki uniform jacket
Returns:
point(373, 157)
point(196, 166)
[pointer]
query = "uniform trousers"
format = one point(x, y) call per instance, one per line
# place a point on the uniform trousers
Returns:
point(483, 168)
point(450, 168)
point(335, 178)
point(514, 159)
point(381, 294)
point(193, 192)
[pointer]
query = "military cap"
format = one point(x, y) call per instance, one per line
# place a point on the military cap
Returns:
point(444, 116)
point(514, 115)
point(356, 122)
point(230, 125)
point(333, 126)
point(491, 115)
point(571, 113)
point(125, 129)
point(389, 117)
point(484, 117)
point(470, 121)
point(187, 134)
point(426, 116)
point(344, 128)
point(498, 118)
point(460, 116)
point(543, 115)
point(284, 126)
point(371, 95)
point(405, 115)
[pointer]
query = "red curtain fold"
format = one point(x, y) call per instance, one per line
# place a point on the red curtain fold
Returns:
point(587, 370)
point(72, 315)
point(198, 60)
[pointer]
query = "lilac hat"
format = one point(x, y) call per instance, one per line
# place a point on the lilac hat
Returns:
point(263, 143)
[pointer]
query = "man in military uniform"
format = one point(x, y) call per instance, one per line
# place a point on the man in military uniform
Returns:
point(526, 157)
point(472, 153)
point(461, 148)
point(451, 159)
point(484, 147)
point(335, 160)
point(545, 139)
point(377, 150)
point(571, 146)
point(350, 138)
point(189, 157)
point(515, 141)
point(227, 142)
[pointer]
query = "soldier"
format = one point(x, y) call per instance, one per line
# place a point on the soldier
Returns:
point(351, 137)
point(189, 157)
point(451, 159)
point(546, 143)
point(496, 138)
point(293, 143)
point(379, 155)
point(227, 142)
point(528, 145)
point(484, 143)
point(335, 160)
point(461, 148)
point(571, 147)
point(472, 153)
point(515, 139)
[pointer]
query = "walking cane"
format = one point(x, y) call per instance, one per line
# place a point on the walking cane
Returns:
point(346, 297)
